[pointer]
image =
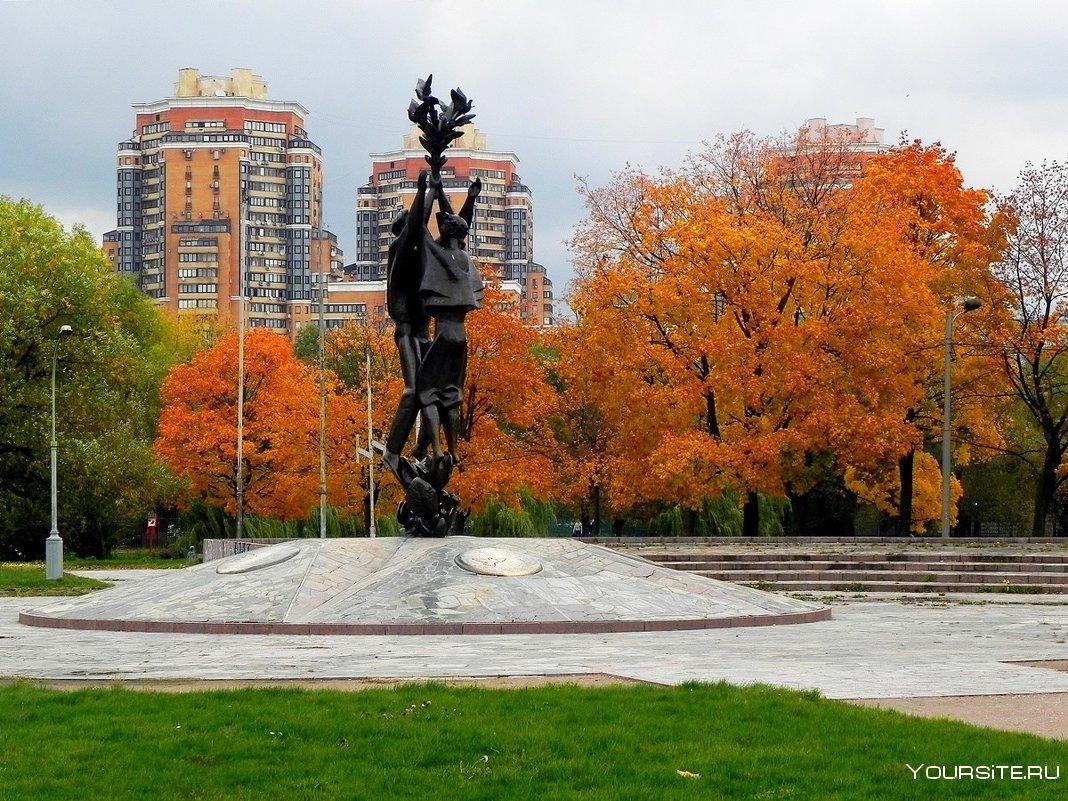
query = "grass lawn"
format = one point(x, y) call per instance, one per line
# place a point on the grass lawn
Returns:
point(28, 578)
point(436, 742)
point(126, 558)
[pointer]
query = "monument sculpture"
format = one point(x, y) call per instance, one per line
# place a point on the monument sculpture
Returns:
point(428, 280)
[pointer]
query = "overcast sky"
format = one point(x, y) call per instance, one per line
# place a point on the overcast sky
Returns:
point(581, 87)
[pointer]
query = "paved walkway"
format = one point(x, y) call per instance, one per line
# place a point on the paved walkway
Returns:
point(870, 649)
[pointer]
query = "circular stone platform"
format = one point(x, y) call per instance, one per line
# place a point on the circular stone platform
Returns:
point(399, 585)
point(498, 562)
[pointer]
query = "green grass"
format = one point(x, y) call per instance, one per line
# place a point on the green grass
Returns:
point(853, 586)
point(28, 578)
point(436, 742)
point(1015, 589)
point(129, 558)
point(766, 586)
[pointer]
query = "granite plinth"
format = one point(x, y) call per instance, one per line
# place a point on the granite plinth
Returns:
point(418, 586)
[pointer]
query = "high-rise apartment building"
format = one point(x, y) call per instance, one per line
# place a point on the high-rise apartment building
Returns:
point(862, 137)
point(502, 230)
point(215, 177)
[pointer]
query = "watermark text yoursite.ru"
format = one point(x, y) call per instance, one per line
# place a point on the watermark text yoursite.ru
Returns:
point(986, 772)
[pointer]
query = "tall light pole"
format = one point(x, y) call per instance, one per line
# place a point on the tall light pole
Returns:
point(322, 394)
point(242, 263)
point(370, 456)
point(54, 543)
point(967, 305)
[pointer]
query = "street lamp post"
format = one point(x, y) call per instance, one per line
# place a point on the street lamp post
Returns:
point(322, 395)
point(54, 543)
point(967, 305)
point(370, 456)
point(242, 262)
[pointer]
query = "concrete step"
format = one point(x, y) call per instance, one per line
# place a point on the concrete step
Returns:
point(886, 567)
point(887, 577)
point(919, 571)
point(905, 587)
point(961, 555)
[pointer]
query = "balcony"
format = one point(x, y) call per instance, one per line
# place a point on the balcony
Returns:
point(304, 144)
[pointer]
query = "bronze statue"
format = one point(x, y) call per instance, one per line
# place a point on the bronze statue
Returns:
point(431, 279)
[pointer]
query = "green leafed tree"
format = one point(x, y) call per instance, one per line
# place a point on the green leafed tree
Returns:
point(108, 374)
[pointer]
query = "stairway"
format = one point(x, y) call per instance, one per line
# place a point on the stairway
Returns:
point(870, 569)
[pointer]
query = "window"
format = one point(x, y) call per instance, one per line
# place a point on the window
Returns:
point(198, 272)
point(200, 227)
point(271, 127)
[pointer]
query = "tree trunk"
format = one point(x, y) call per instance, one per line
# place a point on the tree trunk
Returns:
point(1045, 489)
point(751, 516)
point(595, 501)
point(798, 512)
point(904, 512)
point(689, 522)
point(711, 419)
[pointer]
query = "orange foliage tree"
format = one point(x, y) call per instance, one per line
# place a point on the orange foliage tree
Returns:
point(607, 418)
point(347, 350)
point(774, 322)
point(947, 226)
point(197, 430)
point(504, 440)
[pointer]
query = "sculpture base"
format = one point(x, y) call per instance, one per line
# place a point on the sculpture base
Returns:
point(427, 509)
point(403, 585)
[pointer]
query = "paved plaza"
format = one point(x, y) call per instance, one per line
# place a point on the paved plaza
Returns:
point(869, 649)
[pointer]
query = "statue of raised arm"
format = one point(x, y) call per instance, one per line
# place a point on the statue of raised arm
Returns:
point(467, 211)
point(404, 275)
point(431, 279)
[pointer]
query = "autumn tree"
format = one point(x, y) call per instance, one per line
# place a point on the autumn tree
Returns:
point(784, 314)
point(603, 423)
point(946, 226)
point(1034, 269)
point(197, 433)
point(504, 441)
point(348, 352)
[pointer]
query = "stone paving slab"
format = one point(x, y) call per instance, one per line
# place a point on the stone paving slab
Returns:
point(870, 649)
point(1044, 714)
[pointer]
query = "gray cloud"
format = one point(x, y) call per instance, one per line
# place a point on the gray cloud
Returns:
point(574, 88)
